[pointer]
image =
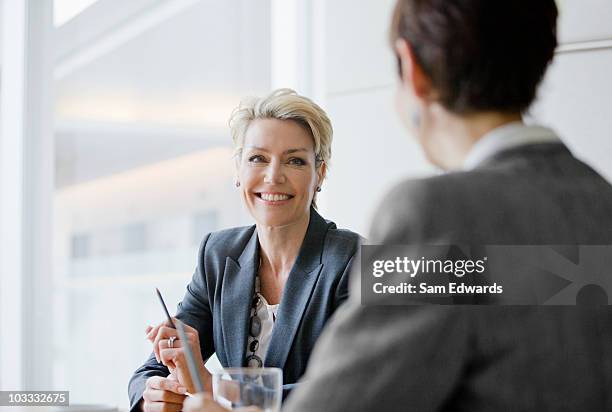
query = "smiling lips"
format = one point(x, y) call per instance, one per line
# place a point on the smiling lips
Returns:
point(274, 197)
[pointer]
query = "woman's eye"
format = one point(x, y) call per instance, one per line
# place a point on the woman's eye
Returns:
point(296, 161)
point(256, 159)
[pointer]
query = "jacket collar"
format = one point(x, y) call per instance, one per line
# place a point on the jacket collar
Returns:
point(237, 291)
point(507, 137)
point(239, 285)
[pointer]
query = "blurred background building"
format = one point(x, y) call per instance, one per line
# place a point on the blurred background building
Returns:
point(116, 156)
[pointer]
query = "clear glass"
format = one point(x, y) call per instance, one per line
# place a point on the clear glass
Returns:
point(236, 388)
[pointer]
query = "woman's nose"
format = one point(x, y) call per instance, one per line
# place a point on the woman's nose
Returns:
point(274, 173)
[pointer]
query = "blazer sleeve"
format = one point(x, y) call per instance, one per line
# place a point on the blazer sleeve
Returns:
point(195, 311)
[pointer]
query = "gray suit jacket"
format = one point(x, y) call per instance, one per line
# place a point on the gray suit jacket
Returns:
point(475, 358)
point(218, 299)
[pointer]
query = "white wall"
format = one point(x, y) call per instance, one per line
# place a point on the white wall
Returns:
point(576, 96)
point(371, 150)
point(575, 101)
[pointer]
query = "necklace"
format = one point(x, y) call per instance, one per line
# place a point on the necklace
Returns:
point(255, 326)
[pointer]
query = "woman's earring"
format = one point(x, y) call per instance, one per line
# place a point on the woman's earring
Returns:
point(318, 188)
point(237, 183)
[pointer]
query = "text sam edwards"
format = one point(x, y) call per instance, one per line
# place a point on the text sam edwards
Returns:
point(424, 288)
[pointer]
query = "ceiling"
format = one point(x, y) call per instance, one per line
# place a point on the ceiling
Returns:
point(142, 81)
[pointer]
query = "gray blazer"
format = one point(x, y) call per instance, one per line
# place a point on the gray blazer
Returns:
point(218, 299)
point(475, 358)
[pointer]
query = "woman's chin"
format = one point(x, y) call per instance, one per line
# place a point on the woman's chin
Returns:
point(269, 221)
point(272, 219)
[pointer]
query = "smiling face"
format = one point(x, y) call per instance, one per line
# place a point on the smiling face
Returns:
point(277, 172)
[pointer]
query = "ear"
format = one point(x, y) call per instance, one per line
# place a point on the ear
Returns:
point(321, 172)
point(412, 75)
point(237, 159)
point(237, 174)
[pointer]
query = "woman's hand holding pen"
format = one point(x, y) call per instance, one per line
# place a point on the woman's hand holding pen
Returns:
point(169, 350)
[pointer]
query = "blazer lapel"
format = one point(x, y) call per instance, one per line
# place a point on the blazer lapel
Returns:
point(237, 291)
point(297, 292)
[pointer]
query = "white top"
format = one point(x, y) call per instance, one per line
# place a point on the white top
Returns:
point(267, 315)
point(506, 137)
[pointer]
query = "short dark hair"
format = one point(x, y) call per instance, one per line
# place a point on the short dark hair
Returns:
point(481, 55)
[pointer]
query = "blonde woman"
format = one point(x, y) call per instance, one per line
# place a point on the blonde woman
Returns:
point(262, 294)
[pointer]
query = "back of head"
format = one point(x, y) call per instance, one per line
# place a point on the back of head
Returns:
point(481, 55)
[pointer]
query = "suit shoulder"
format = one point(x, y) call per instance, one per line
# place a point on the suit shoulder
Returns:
point(414, 208)
point(341, 244)
point(450, 189)
point(228, 242)
point(412, 195)
point(430, 187)
point(343, 236)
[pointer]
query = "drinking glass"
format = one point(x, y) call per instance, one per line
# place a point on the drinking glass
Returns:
point(236, 388)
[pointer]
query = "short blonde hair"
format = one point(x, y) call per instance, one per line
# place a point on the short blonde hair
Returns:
point(284, 104)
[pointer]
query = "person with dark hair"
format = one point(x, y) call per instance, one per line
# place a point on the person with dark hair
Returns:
point(468, 70)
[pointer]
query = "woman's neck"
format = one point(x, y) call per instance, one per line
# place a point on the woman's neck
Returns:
point(448, 142)
point(279, 246)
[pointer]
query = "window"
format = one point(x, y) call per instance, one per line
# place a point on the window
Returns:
point(134, 237)
point(203, 223)
point(144, 169)
point(81, 247)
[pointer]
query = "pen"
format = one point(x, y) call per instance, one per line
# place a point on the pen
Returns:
point(165, 308)
point(193, 370)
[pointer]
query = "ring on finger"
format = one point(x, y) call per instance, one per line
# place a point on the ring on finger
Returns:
point(171, 341)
